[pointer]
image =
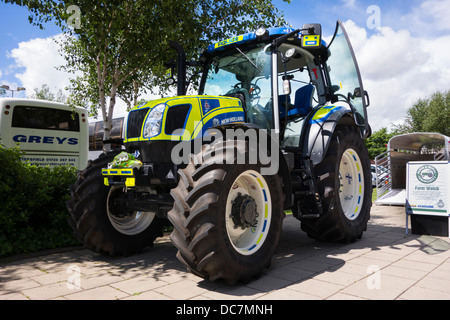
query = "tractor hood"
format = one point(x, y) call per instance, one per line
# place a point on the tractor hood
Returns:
point(181, 118)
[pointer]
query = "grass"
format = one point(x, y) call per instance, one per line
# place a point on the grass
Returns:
point(374, 195)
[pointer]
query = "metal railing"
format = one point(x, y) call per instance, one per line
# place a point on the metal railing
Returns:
point(441, 155)
point(383, 174)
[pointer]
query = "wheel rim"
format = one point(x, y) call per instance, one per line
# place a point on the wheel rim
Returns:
point(351, 189)
point(132, 224)
point(252, 187)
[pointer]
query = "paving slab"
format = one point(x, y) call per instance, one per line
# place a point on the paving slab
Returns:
point(386, 264)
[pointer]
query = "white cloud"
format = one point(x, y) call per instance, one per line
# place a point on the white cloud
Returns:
point(438, 12)
point(349, 3)
point(399, 65)
point(39, 59)
point(425, 20)
point(397, 69)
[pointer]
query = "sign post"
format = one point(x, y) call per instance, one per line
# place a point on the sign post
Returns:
point(428, 189)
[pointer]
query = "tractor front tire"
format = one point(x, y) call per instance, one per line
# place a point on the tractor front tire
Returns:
point(227, 218)
point(100, 228)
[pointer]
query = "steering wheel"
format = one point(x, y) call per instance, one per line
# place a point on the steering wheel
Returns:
point(254, 90)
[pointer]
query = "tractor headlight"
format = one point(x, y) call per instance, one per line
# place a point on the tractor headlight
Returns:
point(152, 125)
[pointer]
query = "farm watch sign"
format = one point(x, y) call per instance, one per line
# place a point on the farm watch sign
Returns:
point(428, 188)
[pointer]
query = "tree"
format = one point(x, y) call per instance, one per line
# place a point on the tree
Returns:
point(428, 115)
point(376, 143)
point(437, 117)
point(120, 47)
point(45, 94)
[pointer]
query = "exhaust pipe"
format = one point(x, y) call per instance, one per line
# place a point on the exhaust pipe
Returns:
point(181, 67)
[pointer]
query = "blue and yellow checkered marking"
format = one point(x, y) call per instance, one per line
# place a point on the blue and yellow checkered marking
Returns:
point(229, 41)
point(244, 38)
point(310, 41)
point(127, 174)
point(266, 216)
point(324, 113)
point(360, 183)
point(118, 172)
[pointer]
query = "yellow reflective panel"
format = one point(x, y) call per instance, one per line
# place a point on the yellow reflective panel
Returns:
point(229, 41)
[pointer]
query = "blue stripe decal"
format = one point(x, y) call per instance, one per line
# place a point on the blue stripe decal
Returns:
point(265, 196)
point(223, 118)
point(252, 247)
point(264, 227)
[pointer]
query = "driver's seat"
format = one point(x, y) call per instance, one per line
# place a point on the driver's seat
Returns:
point(245, 98)
point(303, 101)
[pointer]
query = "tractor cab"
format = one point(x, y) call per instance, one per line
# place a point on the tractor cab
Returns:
point(282, 74)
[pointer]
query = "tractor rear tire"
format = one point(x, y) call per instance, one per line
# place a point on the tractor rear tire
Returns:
point(94, 225)
point(345, 187)
point(227, 218)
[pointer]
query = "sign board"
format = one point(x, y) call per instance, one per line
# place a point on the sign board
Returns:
point(428, 188)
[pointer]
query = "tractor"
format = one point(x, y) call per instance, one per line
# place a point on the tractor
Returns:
point(278, 126)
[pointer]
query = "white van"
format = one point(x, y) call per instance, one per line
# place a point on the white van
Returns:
point(49, 133)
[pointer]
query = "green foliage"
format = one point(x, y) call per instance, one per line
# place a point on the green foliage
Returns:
point(428, 115)
point(138, 33)
point(33, 215)
point(376, 143)
point(118, 48)
point(44, 93)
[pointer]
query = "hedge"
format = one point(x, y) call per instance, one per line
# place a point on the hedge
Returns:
point(33, 215)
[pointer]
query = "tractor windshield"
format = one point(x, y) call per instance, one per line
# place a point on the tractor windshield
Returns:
point(345, 75)
point(244, 73)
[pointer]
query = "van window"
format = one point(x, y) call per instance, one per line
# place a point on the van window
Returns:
point(45, 118)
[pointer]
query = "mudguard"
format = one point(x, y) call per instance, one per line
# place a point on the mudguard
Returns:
point(281, 163)
point(318, 130)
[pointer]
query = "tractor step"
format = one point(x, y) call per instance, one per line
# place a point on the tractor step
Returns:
point(309, 216)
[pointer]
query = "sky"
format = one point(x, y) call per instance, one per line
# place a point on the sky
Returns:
point(402, 48)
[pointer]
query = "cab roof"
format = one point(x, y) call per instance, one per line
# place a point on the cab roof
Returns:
point(251, 36)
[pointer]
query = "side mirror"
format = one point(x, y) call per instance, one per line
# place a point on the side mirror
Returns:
point(358, 94)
